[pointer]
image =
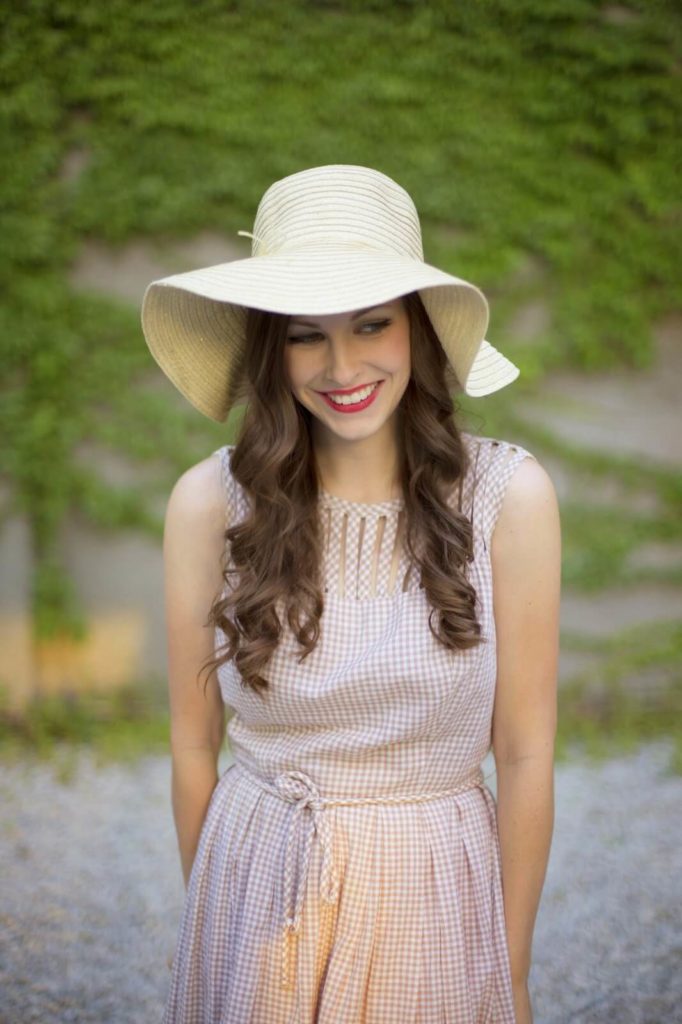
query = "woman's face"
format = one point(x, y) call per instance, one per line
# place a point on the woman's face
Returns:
point(365, 353)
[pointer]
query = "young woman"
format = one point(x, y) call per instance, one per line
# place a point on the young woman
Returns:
point(375, 594)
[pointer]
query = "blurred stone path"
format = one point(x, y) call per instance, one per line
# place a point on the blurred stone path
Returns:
point(92, 894)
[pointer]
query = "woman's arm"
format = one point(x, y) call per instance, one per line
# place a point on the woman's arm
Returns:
point(192, 548)
point(526, 559)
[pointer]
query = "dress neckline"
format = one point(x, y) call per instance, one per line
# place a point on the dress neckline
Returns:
point(361, 507)
point(381, 508)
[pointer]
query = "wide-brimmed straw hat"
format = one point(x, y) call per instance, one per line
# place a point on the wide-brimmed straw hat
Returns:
point(325, 240)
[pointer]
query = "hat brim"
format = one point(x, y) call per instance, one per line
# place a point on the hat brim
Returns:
point(194, 322)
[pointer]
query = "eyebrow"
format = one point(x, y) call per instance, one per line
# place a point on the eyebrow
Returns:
point(356, 316)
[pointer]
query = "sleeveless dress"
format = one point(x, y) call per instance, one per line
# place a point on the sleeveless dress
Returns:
point(348, 868)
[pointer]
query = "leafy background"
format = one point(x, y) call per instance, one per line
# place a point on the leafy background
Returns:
point(541, 144)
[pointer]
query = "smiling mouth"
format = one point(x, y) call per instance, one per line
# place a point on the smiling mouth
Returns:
point(348, 403)
point(351, 391)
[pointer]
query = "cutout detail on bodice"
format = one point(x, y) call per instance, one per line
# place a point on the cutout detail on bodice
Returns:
point(363, 550)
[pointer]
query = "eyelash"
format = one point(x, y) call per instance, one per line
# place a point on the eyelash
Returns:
point(372, 323)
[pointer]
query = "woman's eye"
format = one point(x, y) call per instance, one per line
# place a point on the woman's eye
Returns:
point(374, 325)
point(378, 324)
point(303, 337)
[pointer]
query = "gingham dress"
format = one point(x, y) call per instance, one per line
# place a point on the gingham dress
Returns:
point(348, 868)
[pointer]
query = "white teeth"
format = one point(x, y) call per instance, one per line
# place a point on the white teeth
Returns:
point(357, 396)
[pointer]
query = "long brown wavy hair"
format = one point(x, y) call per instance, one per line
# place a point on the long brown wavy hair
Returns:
point(276, 549)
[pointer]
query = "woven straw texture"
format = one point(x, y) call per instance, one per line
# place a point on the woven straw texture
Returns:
point(348, 869)
point(326, 240)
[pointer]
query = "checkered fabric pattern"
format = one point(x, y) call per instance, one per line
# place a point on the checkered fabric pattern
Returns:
point(348, 869)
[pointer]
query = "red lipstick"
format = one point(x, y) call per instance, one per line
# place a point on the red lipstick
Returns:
point(349, 391)
point(356, 406)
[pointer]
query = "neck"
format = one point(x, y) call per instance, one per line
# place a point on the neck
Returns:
point(366, 470)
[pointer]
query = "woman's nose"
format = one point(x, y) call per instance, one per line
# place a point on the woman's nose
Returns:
point(341, 362)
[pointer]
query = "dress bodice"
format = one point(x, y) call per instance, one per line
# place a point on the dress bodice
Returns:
point(379, 690)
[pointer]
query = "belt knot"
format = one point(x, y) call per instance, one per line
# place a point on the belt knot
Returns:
point(297, 788)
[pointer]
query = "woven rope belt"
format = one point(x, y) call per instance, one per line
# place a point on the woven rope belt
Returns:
point(299, 789)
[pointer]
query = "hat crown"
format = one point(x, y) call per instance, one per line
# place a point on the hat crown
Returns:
point(338, 205)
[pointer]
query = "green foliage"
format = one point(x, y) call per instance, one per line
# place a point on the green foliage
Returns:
point(597, 546)
point(615, 704)
point(540, 141)
point(124, 724)
point(598, 542)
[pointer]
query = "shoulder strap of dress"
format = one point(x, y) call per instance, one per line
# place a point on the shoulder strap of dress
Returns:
point(493, 462)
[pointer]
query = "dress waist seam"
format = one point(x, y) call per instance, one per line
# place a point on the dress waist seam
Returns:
point(294, 786)
point(299, 789)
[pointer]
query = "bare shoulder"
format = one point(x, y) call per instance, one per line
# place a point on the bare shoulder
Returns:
point(526, 563)
point(527, 533)
point(196, 505)
point(193, 543)
point(530, 501)
point(199, 489)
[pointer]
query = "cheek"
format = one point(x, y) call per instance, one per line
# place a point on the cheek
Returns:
point(292, 367)
point(289, 368)
point(299, 366)
point(397, 352)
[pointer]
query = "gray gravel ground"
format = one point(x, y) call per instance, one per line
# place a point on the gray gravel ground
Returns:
point(92, 894)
